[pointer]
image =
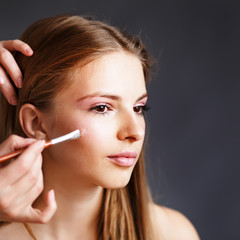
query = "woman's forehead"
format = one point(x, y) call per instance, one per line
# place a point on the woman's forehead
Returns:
point(117, 69)
point(117, 73)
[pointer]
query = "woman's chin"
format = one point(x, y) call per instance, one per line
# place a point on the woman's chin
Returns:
point(115, 184)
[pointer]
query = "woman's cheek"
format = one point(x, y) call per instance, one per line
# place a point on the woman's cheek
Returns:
point(97, 131)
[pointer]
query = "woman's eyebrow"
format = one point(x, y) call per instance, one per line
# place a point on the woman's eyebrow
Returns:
point(100, 94)
point(143, 96)
point(105, 95)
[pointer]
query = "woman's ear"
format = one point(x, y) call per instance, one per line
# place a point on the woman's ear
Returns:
point(30, 119)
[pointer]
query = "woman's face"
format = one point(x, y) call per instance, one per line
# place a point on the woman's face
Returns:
point(107, 98)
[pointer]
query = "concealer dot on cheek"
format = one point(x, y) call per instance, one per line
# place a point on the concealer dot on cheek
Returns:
point(83, 131)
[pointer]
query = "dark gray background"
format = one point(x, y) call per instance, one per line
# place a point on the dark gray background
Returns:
point(193, 151)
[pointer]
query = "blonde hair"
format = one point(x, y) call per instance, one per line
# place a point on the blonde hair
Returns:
point(59, 43)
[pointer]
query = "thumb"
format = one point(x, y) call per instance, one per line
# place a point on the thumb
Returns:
point(44, 215)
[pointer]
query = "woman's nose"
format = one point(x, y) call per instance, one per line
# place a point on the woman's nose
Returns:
point(132, 127)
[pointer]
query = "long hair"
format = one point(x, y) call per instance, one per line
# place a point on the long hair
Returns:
point(59, 43)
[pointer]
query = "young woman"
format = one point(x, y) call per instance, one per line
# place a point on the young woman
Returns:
point(85, 74)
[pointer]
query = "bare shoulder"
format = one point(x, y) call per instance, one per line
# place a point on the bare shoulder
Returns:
point(13, 231)
point(169, 224)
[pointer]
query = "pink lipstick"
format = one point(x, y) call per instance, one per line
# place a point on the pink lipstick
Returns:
point(124, 159)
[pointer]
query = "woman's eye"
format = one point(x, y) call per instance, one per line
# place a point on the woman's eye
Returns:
point(100, 109)
point(140, 109)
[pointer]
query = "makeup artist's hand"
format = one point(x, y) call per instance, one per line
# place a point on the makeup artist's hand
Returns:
point(9, 65)
point(21, 182)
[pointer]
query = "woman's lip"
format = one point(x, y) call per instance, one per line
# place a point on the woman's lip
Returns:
point(125, 159)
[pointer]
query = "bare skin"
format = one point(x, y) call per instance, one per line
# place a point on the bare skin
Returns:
point(79, 177)
point(167, 224)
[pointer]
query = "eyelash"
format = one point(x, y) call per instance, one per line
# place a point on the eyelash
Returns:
point(105, 107)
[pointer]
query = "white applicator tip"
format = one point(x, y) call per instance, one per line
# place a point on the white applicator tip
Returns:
point(72, 135)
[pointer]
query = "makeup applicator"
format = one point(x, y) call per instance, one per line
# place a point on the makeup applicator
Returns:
point(70, 136)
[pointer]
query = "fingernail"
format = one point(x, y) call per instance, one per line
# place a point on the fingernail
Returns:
point(13, 100)
point(51, 195)
point(28, 50)
point(20, 82)
point(41, 144)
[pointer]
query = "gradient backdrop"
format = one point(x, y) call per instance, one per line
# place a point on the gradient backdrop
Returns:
point(193, 152)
